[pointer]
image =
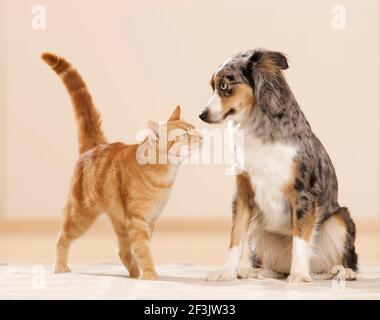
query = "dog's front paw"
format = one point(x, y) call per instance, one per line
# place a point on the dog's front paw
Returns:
point(223, 275)
point(298, 278)
point(59, 268)
point(149, 275)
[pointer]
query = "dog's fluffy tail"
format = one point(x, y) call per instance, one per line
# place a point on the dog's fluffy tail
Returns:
point(90, 133)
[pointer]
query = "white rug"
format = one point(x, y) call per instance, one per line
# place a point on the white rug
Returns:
point(177, 281)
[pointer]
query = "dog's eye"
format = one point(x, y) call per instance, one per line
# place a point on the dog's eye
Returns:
point(223, 86)
point(184, 135)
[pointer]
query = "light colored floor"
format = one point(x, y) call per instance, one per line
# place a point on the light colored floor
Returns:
point(177, 281)
point(183, 251)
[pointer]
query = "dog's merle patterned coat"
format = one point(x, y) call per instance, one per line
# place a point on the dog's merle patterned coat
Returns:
point(277, 117)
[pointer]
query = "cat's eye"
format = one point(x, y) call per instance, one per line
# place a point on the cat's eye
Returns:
point(184, 135)
point(223, 86)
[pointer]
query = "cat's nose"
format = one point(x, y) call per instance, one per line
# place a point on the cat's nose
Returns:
point(203, 115)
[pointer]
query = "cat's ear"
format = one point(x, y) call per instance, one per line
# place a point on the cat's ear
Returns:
point(154, 127)
point(176, 115)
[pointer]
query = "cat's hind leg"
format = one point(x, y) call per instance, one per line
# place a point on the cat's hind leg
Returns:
point(76, 222)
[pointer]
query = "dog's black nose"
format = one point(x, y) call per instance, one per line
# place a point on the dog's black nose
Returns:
point(203, 115)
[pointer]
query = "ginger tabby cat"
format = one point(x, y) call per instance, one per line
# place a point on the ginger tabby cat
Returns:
point(109, 177)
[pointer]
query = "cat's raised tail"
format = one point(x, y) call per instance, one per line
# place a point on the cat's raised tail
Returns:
point(90, 133)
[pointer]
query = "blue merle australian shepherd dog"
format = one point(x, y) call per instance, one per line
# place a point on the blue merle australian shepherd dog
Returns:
point(286, 194)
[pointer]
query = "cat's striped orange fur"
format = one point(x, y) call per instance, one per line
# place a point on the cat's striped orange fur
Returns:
point(108, 178)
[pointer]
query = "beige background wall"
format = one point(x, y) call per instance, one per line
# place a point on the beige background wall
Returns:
point(2, 110)
point(140, 58)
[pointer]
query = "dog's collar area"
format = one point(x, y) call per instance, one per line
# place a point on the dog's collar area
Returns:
point(231, 111)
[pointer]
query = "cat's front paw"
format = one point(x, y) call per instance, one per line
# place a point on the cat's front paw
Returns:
point(149, 275)
point(298, 278)
point(223, 275)
point(59, 268)
point(134, 273)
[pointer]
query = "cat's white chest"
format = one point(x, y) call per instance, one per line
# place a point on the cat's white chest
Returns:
point(270, 167)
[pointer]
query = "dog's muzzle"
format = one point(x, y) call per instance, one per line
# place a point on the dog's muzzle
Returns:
point(204, 115)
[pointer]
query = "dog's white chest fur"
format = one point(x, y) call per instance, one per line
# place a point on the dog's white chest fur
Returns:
point(269, 166)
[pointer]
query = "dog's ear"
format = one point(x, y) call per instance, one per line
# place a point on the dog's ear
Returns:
point(268, 60)
point(279, 59)
point(176, 115)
